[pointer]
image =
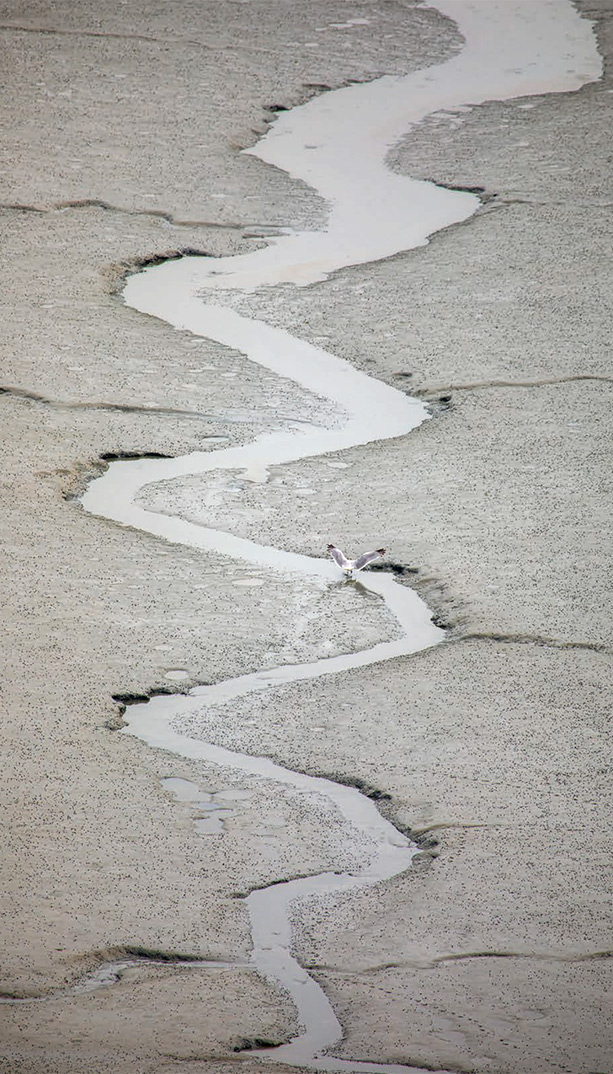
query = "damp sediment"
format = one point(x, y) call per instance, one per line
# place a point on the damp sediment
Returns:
point(325, 143)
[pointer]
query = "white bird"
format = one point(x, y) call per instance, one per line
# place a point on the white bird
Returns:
point(350, 565)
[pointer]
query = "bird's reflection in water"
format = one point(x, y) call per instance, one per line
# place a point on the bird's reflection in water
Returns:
point(356, 586)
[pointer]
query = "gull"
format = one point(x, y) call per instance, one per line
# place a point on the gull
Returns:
point(350, 565)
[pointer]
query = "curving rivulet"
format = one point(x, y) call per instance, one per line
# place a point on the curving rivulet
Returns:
point(511, 49)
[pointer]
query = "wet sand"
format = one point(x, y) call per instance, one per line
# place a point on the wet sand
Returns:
point(494, 950)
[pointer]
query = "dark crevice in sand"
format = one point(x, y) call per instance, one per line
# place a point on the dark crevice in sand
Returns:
point(160, 214)
point(123, 700)
point(248, 1044)
point(479, 385)
point(140, 263)
point(132, 408)
point(116, 722)
point(432, 1068)
point(169, 41)
point(111, 965)
point(361, 785)
point(480, 191)
point(440, 826)
point(121, 408)
point(430, 963)
point(501, 199)
point(131, 699)
point(282, 880)
point(575, 203)
point(117, 456)
point(62, 31)
point(435, 1068)
point(534, 639)
point(588, 956)
point(152, 954)
point(348, 1065)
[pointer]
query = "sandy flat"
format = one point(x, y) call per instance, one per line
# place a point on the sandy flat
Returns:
point(493, 952)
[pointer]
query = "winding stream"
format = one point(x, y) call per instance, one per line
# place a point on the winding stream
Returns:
point(337, 143)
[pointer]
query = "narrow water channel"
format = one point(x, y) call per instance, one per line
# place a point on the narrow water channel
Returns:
point(337, 143)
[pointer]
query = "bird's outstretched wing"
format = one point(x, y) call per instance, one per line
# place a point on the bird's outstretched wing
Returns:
point(367, 557)
point(339, 558)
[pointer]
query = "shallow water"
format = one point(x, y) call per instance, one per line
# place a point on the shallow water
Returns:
point(512, 48)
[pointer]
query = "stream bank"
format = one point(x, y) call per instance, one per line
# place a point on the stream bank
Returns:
point(108, 836)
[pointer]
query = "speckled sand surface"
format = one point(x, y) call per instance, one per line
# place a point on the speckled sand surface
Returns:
point(495, 740)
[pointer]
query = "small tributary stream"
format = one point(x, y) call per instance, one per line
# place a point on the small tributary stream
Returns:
point(337, 143)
